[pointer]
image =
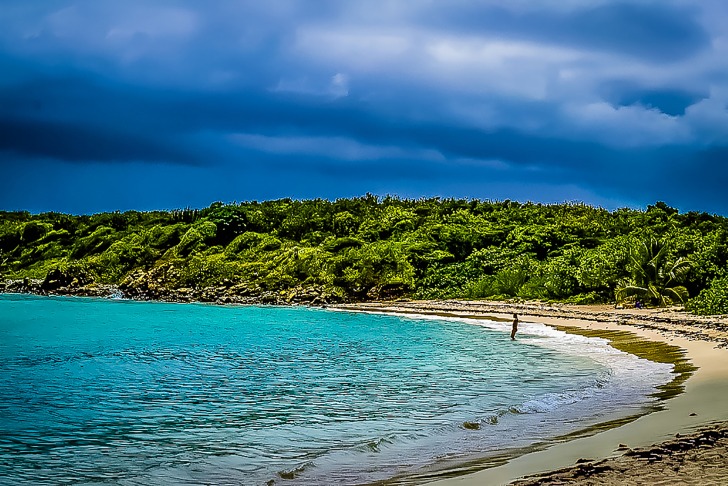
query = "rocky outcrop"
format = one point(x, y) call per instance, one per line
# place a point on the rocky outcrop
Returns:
point(24, 286)
point(153, 285)
point(57, 279)
point(58, 286)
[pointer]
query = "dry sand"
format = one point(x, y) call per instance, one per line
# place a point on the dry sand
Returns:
point(653, 453)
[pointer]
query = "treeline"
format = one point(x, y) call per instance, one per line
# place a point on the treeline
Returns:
point(371, 248)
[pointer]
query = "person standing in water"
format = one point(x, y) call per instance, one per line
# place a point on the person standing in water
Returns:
point(515, 326)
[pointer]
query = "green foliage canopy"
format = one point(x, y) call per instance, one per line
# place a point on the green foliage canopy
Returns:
point(371, 247)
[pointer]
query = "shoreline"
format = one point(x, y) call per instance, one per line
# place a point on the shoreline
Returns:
point(704, 339)
point(593, 458)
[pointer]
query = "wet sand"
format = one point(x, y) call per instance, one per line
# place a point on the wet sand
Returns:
point(642, 451)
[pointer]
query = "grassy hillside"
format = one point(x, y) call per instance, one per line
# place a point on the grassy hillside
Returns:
point(367, 248)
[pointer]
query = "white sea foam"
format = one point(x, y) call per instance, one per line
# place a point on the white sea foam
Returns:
point(623, 366)
point(624, 387)
point(116, 295)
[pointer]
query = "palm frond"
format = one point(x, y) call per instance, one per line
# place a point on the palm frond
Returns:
point(677, 294)
point(654, 275)
point(629, 291)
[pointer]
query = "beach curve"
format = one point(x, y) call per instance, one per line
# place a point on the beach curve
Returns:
point(698, 411)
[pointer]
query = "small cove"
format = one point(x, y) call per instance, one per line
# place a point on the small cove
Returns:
point(133, 392)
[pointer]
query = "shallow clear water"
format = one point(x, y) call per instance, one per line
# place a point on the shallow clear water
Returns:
point(95, 391)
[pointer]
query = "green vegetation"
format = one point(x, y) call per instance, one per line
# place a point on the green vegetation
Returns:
point(713, 300)
point(368, 248)
point(655, 278)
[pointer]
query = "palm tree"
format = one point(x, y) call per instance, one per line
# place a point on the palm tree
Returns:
point(655, 277)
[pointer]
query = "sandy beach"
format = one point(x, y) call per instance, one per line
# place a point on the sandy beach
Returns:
point(684, 443)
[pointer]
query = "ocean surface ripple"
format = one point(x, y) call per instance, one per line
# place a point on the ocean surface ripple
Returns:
point(110, 391)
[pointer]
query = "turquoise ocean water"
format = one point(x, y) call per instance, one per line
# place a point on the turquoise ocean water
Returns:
point(117, 392)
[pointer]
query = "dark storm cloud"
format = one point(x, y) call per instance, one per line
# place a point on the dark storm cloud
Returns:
point(88, 122)
point(563, 101)
point(695, 178)
point(78, 143)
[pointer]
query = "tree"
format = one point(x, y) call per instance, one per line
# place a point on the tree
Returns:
point(655, 276)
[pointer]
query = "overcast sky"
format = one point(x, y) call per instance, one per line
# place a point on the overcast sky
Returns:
point(108, 105)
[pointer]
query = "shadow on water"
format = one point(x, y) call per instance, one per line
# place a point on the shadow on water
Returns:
point(625, 341)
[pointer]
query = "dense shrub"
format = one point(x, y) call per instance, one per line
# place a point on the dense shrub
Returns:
point(34, 230)
point(713, 300)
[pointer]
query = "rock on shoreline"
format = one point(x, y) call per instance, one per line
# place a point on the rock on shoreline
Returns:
point(144, 289)
point(698, 458)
